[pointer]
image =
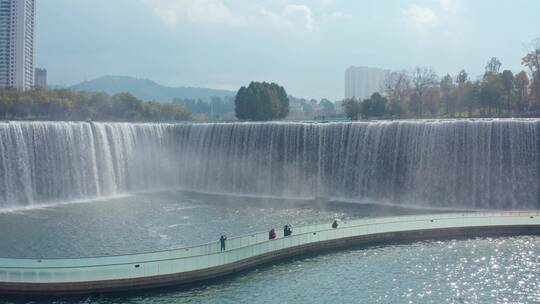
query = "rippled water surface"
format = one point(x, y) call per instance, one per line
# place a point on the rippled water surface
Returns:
point(501, 270)
point(157, 221)
point(487, 270)
point(491, 270)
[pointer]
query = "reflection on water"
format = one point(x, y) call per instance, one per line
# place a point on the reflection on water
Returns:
point(489, 270)
point(156, 221)
point(499, 270)
point(456, 271)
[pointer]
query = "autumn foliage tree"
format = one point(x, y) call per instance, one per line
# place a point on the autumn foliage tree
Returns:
point(66, 104)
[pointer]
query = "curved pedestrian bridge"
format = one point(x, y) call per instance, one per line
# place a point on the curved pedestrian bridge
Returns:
point(194, 264)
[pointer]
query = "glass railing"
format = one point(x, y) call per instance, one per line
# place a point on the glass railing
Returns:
point(238, 248)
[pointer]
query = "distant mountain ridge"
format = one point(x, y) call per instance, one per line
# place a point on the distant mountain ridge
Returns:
point(146, 89)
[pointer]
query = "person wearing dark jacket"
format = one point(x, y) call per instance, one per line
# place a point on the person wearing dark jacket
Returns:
point(222, 240)
point(335, 224)
point(287, 230)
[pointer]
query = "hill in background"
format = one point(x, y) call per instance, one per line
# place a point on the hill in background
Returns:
point(147, 89)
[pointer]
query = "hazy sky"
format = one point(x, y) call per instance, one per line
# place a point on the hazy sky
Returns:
point(304, 45)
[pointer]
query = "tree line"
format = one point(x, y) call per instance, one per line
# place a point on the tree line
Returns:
point(301, 108)
point(422, 94)
point(224, 108)
point(216, 106)
point(66, 104)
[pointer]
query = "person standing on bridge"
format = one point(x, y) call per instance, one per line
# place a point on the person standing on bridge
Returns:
point(272, 234)
point(222, 240)
point(287, 230)
point(335, 224)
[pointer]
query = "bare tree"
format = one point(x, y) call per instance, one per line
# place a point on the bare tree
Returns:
point(508, 84)
point(493, 66)
point(532, 59)
point(352, 108)
point(397, 88)
point(462, 102)
point(423, 79)
point(521, 81)
point(447, 94)
point(462, 77)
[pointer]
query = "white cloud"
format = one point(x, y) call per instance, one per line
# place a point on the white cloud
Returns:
point(171, 12)
point(300, 11)
point(423, 18)
point(450, 6)
point(292, 15)
point(197, 11)
point(420, 17)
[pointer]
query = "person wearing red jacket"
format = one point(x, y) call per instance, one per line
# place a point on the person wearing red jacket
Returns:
point(272, 234)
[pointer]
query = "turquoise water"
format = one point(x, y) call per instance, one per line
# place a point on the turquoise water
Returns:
point(503, 270)
point(490, 270)
point(158, 221)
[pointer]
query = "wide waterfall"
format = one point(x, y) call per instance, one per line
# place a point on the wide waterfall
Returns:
point(482, 164)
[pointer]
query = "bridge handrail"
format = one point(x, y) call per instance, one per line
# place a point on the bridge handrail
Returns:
point(187, 248)
point(303, 230)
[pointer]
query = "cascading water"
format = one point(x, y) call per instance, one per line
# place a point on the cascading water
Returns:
point(483, 164)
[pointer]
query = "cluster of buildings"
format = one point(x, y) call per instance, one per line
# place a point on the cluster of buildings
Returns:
point(362, 82)
point(17, 46)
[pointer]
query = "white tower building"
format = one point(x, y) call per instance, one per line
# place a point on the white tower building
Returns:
point(17, 22)
point(361, 82)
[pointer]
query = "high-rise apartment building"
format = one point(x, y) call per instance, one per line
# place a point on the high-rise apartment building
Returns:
point(17, 21)
point(361, 82)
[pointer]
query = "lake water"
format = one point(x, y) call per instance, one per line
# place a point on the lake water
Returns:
point(486, 270)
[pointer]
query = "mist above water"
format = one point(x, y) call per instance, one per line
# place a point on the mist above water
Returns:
point(483, 164)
